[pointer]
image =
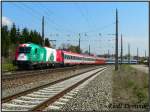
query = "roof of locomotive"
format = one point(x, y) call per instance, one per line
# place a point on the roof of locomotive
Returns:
point(30, 45)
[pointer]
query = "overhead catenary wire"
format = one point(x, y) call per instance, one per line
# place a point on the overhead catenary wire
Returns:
point(37, 12)
point(59, 27)
point(34, 11)
point(36, 16)
point(83, 15)
point(22, 8)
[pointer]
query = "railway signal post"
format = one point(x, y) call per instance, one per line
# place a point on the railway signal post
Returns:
point(79, 42)
point(89, 49)
point(128, 53)
point(121, 50)
point(116, 56)
point(137, 55)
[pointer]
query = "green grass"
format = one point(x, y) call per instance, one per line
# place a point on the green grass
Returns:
point(130, 86)
point(7, 65)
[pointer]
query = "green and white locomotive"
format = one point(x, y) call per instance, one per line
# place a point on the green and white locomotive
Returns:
point(32, 55)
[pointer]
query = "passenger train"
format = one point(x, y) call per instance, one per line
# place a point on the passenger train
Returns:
point(30, 55)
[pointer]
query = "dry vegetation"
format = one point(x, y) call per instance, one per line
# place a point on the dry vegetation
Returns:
point(130, 86)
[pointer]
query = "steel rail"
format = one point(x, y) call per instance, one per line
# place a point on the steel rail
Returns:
point(49, 101)
point(36, 72)
point(9, 98)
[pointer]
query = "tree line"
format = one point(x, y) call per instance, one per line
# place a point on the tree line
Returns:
point(69, 47)
point(13, 36)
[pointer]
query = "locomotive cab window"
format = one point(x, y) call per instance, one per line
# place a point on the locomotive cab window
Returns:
point(24, 49)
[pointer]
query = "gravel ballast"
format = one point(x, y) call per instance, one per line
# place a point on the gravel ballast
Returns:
point(32, 82)
point(95, 96)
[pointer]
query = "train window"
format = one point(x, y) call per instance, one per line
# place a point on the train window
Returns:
point(65, 56)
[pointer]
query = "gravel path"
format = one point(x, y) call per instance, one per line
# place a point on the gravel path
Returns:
point(95, 96)
point(142, 68)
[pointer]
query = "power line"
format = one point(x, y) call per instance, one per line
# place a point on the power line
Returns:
point(57, 27)
point(35, 12)
point(31, 11)
point(82, 14)
point(23, 8)
point(48, 10)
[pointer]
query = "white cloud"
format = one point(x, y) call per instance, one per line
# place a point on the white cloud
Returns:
point(6, 21)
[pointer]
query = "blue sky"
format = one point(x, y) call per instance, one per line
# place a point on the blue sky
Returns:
point(95, 21)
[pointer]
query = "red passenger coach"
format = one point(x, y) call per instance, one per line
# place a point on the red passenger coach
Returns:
point(75, 58)
point(100, 60)
point(70, 58)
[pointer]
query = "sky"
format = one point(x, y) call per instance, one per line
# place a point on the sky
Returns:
point(93, 22)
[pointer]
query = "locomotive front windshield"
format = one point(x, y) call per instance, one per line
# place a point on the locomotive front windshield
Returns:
point(24, 49)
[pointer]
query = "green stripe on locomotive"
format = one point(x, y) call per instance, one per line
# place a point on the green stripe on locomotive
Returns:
point(37, 53)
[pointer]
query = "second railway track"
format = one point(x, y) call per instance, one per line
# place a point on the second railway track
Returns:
point(40, 98)
point(22, 74)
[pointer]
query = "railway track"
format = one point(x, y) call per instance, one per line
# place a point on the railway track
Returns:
point(20, 74)
point(39, 98)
